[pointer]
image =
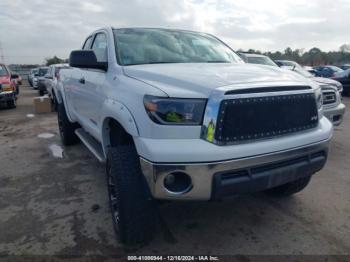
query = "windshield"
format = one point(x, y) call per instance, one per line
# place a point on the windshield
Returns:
point(58, 69)
point(336, 69)
point(42, 71)
point(261, 60)
point(299, 69)
point(3, 71)
point(153, 46)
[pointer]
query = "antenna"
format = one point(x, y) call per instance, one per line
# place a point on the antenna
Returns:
point(2, 58)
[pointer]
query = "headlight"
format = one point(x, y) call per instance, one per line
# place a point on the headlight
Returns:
point(339, 87)
point(319, 98)
point(6, 88)
point(175, 111)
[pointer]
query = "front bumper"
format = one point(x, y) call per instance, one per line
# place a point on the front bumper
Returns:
point(7, 96)
point(41, 86)
point(335, 114)
point(215, 180)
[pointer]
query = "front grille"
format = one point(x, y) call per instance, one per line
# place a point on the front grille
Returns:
point(263, 117)
point(329, 97)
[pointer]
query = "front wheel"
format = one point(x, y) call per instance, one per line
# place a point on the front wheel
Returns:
point(133, 209)
point(66, 128)
point(12, 103)
point(346, 92)
point(290, 188)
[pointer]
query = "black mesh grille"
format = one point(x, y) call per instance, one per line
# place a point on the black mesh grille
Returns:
point(262, 117)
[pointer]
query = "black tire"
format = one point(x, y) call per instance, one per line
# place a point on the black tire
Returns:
point(41, 92)
point(134, 212)
point(66, 128)
point(290, 188)
point(12, 103)
point(54, 103)
point(346, 93)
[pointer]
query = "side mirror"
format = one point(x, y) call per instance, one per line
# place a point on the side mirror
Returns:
point(47, 76)
point(14, 76)
point(86, 59)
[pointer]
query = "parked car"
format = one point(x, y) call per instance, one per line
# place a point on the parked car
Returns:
point(310, 69)
point(177, 115)
point(344, 78)
point(8, 94)
point(17, 79)
point(327, 70)
point(257, 59)
point(333, 108)
point(41, 80)
point(51, 80)
point(345, 67)
point(32, 74)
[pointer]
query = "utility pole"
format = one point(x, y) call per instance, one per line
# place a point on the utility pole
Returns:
point(2, 58)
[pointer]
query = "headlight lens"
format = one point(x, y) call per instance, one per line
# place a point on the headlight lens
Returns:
point(339, 87)
point(175, 111)
point(6, 88)
point(319, 98)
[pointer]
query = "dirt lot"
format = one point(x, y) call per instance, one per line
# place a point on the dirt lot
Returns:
point(51, 205)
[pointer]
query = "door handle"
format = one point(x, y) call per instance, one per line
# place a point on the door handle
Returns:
point(82, 80)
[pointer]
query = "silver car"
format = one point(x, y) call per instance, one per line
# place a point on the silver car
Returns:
point(32, 76)
point(333, 108)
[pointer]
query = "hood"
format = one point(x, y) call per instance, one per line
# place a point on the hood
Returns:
point(4, 79)
point(327, 81)
point(199, 80)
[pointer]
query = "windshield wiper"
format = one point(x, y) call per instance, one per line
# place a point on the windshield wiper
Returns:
point(163, 62)
point(217, 61)
point(151, 63)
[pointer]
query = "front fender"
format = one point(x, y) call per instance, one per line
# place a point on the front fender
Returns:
point(113, 109)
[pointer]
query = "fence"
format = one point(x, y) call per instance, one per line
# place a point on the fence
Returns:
point(23, 71)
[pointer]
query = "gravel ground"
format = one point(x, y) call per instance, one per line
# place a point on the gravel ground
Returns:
point(58, 206)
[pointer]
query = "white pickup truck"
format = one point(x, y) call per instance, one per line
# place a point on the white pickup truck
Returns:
point(177, 115)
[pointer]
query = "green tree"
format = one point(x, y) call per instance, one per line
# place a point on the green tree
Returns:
point(55, 60)
point(345, 48)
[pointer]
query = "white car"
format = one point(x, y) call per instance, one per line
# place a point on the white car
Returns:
point(177, 115)
point(51, 79)
point(333, 107)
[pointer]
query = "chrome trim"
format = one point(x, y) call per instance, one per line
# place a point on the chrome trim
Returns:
point(212, 110)
point(202, 173)
point(332, 91)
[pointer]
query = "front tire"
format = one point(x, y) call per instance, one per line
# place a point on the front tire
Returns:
point(66, 128)
point(290, 188)
point(133, 210)
point(12, 103)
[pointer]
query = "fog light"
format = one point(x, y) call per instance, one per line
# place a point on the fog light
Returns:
point(178, 182)
point(169, 180)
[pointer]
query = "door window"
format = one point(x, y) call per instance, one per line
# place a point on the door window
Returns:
point(100, 47)
point(87, 44)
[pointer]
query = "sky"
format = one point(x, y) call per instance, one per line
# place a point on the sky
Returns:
point(31, 30)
